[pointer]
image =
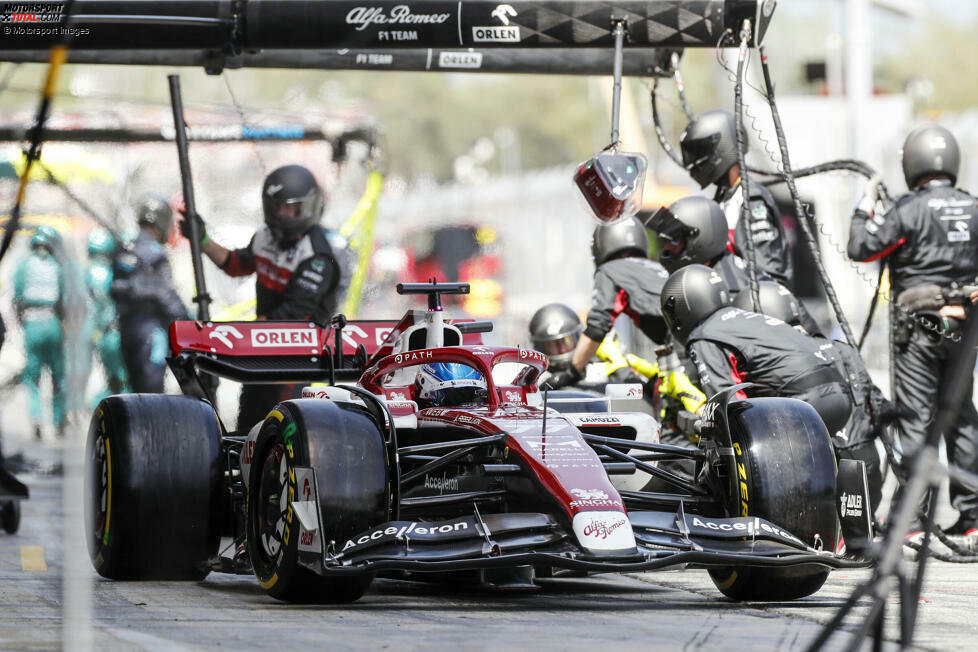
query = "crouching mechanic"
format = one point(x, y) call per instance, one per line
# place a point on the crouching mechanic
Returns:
point(625, 281)
point(555, 330)
point(298, 276)
point(729, 346)
point(870, 409)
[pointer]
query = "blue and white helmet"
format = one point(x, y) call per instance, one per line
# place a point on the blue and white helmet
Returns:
point(449, 383)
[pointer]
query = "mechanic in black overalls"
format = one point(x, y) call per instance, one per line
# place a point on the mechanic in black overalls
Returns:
point(870, 410)
point(142, 288)
point(730, 346)
point(693, 230)
point(625, 281)
point(709, 149)
point(926, 238)
point(298, 274)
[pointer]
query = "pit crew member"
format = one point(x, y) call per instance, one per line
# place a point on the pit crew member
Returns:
point(298, 275)
point(729, 346)
point(709, 151)
point(926, 239)
point(142, 288)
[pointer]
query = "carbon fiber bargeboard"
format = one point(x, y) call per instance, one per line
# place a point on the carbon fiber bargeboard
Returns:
point(336, 24)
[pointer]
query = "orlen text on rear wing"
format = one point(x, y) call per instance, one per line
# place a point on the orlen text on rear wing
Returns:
point(237, 25)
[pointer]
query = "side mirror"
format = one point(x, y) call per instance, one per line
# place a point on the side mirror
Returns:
point(612, 184)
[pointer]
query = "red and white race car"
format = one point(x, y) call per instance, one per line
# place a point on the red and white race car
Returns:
point(385, 474)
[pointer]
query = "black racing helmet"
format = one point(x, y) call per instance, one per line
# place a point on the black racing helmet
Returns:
point(555, 330)
point(610, 240)
point(709, 146)
point(292, 202)
point(155, 210)
point(776, 301)
point(930, 150)
point(689, 296)
point(697, 224)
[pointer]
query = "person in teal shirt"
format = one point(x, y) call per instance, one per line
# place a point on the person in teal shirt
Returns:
point(102, 318)
point(38, 292)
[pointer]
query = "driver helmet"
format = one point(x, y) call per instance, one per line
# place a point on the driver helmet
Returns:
point(776, 301)
point(293, 202)
point(692, 230)
point(446, 384)
point(555, 330)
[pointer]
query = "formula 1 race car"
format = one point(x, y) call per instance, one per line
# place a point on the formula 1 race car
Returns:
point(502, 485)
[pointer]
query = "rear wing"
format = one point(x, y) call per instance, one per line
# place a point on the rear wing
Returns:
point(283, 351)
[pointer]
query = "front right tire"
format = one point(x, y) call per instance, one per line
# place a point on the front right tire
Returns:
point(787, 474)
point(345, 448)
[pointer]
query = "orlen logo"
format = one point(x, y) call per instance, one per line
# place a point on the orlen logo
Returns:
point(602, 529)
point(224, 333)
point(287, 337)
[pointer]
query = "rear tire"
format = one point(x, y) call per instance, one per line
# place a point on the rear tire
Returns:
point(154, 487)
point(344, 446)
point(784, 451)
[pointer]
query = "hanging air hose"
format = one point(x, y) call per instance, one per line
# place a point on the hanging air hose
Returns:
point(872, 308)
point(680, 86)
point(744, 175)
point(659, 133)
point(799, 209)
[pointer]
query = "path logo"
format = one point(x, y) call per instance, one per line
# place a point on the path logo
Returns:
point(284, 337)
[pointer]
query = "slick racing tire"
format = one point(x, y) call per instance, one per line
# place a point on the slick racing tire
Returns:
point(154, 486)
point(344, 447)
point(787, 471)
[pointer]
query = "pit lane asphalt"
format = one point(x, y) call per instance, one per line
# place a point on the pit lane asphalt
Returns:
point(670, 610)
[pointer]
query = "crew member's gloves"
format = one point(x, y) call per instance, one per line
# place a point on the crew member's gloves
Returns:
point(871, 194)
point(201, 229)
point(563, 378)
point(678, 385)
point(609, 351)
point(642, 366)
point(887, 412)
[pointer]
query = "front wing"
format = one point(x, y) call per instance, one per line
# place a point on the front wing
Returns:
point(664, 540)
